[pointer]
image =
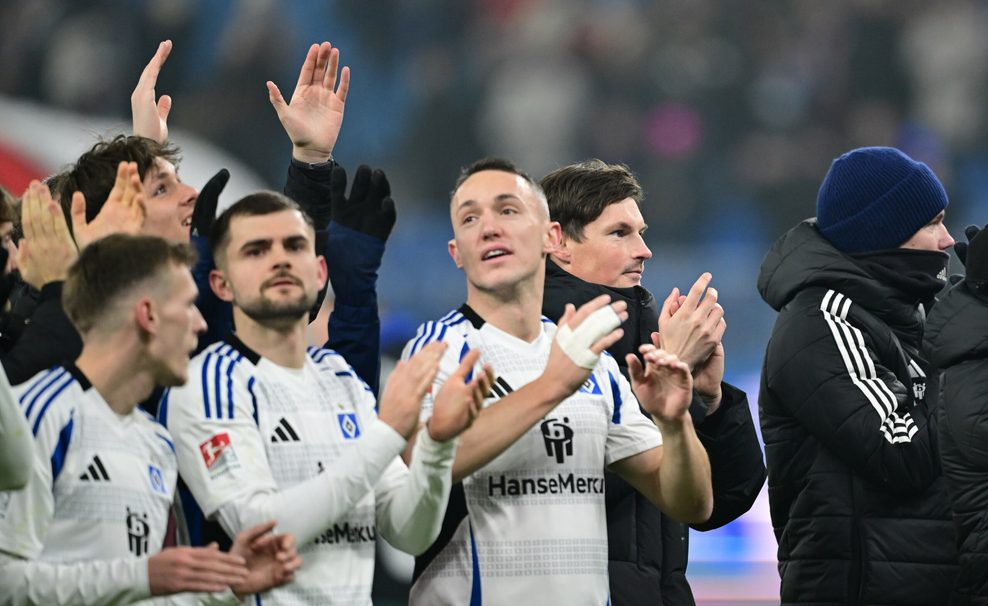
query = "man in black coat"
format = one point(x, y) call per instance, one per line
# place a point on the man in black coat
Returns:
point(603, 253)
point(957, 340)
point(847, 398)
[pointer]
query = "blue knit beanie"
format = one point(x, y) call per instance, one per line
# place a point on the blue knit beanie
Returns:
point(874, 198)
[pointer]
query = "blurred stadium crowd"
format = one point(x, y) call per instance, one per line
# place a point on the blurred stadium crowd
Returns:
point(728, 112)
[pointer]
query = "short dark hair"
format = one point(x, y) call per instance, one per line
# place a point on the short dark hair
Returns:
point(110, 267)
point(8, 207)
point(95, 172)
point(578, 193)
point(54, 183)
point(493, 163)
point(256, 204)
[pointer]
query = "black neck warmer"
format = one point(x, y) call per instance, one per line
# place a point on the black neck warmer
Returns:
point(918, 274)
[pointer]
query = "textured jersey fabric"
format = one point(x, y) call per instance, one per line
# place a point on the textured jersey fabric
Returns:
point(246, 427)
point(529, 527)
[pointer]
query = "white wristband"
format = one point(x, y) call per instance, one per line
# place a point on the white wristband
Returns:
point(576, 343)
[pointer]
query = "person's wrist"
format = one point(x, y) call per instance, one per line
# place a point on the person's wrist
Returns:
point(712, 401)
point(673, 426)
point(311, 157)
point(553, 390)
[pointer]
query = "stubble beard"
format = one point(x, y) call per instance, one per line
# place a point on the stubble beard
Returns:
point(266, 312)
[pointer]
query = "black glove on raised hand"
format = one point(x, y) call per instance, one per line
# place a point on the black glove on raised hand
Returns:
point(974, 255)
point(369, 209)
point(209, 198)
point(961, 247)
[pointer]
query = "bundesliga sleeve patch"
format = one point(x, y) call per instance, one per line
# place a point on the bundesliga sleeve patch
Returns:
point(218, 454)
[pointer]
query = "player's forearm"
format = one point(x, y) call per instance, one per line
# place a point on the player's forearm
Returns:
point(306, 509)
point(684, 490)
point(92, 582)
point(501, 424)
point(410, 515)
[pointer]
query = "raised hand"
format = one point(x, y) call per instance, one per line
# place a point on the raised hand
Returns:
point(150, 117)
point(195, 569)
point(314, 116)
point(123, 211)
point(369, 209)
point(411, 379)
point(707, 374)
point(692, 326)
point(583, 335)
point(46, 251)
point(459, 400)
point(271, 559)
point(664, 385)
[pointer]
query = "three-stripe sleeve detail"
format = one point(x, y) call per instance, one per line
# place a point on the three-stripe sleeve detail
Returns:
point(895, 427)
point(217, 382)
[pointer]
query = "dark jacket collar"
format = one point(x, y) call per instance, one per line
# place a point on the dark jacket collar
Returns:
point(562, 287)
point(561, 281)
point(802, 258)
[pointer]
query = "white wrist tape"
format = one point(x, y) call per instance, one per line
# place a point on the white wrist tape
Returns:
point(576, 343)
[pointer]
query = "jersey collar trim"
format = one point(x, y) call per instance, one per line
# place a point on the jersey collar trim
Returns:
point(471, 315)
point(233, 341)
point(78, 376)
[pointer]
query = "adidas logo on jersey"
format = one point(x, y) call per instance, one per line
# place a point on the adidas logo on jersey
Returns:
point(95, 472)
point(500, 388)
point(284, 432)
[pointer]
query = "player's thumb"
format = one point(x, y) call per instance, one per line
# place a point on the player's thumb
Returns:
point(164, 106)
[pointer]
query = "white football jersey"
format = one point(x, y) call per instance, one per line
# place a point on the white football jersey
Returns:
point(529, 527)
point(245, 426)
point(103, 484)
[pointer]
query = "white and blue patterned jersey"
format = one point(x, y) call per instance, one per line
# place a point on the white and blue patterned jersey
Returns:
point(103, 482)
point(529, 527)
point(246, 426)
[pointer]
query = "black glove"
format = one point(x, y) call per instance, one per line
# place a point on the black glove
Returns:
point(961, 247)
point(974, 255)
point(209, 198)
point(369, 209)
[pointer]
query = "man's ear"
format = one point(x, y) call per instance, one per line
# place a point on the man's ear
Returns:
point(454, 253)
point(554, 241)
point(221, 286)
point(323, 271)
point(145, 315)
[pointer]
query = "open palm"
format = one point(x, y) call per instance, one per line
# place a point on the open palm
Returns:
point(314, 116)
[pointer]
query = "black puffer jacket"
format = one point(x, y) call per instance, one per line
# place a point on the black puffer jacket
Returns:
point(647, 551)
point(857, 497)
point(957, 339)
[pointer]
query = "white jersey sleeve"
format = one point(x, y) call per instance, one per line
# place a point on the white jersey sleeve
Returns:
point(32, 582)
point(630, 431)
point(224, 598)
point(411, 501)
point(222, 456)
point(16, 447)
point(92, 582)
